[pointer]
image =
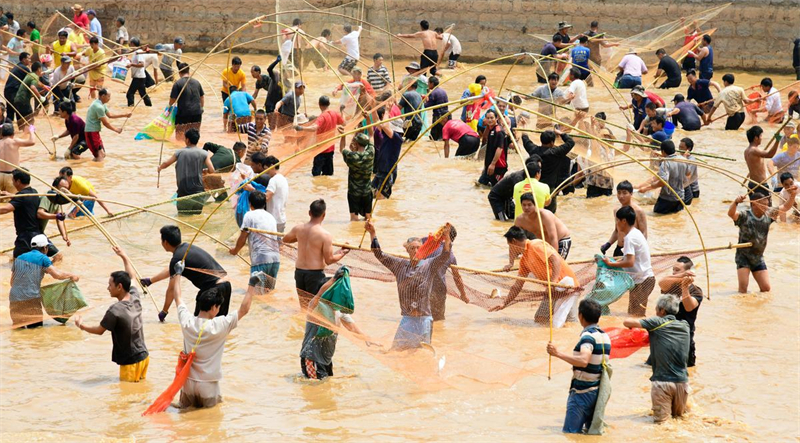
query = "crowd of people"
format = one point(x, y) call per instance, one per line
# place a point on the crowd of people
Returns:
point(387, 115)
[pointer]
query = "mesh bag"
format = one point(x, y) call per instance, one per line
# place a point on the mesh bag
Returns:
point(61, 300)
point(609, 285)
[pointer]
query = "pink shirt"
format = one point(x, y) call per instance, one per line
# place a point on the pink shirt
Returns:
point(81, 20)
point(633, 65)
point(455, 129)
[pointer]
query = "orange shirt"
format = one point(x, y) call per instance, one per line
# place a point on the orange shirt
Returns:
point(533, 262)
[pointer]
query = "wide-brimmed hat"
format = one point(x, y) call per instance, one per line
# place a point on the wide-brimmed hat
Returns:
point(563, 25)
point(77, 7)
point(413, 66)
point(633, 51)
point(639, 90)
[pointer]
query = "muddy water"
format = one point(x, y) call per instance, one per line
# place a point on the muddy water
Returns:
point(59, 383)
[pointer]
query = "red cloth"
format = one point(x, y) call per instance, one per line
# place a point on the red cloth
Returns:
point(81, 20)
point(689, 41)
point(181, 375)
point(625, 342)
point(395, 111)
point(94, 142)
point(455, 129)
point(367, 87)
point(655, 98)
point(326, 124)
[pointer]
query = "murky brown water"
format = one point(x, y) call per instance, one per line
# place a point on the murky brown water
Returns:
point(59, 383)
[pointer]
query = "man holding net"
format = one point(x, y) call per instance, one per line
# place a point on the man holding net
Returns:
point(314, 252)
point(635, 260)
point(124, 320)
point(415, 278)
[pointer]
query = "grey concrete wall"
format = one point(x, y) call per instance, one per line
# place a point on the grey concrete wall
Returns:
point(751, 34)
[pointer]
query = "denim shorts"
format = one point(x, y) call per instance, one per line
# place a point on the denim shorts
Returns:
point(580, 410)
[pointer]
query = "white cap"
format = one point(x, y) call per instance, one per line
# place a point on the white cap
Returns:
point(39, 241)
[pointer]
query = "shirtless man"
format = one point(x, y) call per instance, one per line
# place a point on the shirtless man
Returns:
point(555, 231)
point(9, 151)
point(430, 54)
point(624, 195)
point(314, 252)
point(755, 157)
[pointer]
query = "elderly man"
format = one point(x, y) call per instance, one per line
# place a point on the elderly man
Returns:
point(631, 68)
point(415, 279)
point(669, 349)
point(733, 98)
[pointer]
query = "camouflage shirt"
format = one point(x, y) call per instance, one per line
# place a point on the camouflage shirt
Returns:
point(360, 174)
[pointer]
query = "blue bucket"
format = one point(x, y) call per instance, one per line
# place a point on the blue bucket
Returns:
point(669, 128)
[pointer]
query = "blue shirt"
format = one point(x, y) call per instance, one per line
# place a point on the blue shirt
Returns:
point(707, 63)
point(580, 56)
point(660, 135)
point(96, 28)
point(638, 112)
point(701, 92)
point(549, 49)
point(241, 103)
point(27, 274)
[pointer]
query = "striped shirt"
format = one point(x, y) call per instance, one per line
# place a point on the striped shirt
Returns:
point(598, 341)
point(378, 78)
point(256, 141)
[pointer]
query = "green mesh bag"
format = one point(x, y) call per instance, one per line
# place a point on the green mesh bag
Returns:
point(62, 299)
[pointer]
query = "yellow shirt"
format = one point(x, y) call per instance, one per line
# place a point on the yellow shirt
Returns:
point(96, 73)
point(541, 194)
point(234, 79)
point(81, 186)
point(58, 49)
point(785, 146)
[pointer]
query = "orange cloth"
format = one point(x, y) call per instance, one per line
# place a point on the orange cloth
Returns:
point(533, 262)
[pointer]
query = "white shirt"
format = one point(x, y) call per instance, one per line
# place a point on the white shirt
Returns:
point(350, 42)
point(58, 75)
point(170, 55)
point(137, 72)
point(636, 244)
point(207, 364)
point(773, 102)
point(580, 100)
point(263, 247)
point(277, 204)
point(633, 65)
point(455, 45)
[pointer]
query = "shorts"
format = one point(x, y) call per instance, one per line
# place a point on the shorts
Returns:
point(413, 332)
point(593, 191)
point(348, 64)
point(78, 212)
point(94, 142)
point(663, 206)
point(323, 164)
point(706, 75)
point(734, 121)
point(638, 296)
point(669, 399)
point(377, 181)
point(688, 64)
point(359, 204)
point(428, 59)
point(97, 84)
point(200, 394)
point(264, 275)
point(79, 148)
point(453, 57)
point(314, 370)
point(193, 205)
point(26, 313)
point(468, 145)
point(756, 264)
point(580, 411)
point(564, 245)
point(222, 288)
point(187, 119)
point(7, 182)
point(688, 196)
point(308, 283)
point(135, 372)
point(312, 56)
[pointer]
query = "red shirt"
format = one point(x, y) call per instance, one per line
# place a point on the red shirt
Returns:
point(81, 20)
point(655, 98)
point(367, 87)
point(689, 41)
point(326, 124)
point(455, 129)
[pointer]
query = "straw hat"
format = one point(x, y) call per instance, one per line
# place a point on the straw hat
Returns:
point(76, 7)
point(563, 25)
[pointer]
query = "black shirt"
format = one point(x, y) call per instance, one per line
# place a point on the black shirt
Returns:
point(274, 92)
point(263, 180)
point(554, 160)
point(505, 187)
point(496, 139)
point(197, 259)
point(564, 38)
point(15, 79)
point(25, 209)
point(188, 101)
point(671, 69)
point(688, 316)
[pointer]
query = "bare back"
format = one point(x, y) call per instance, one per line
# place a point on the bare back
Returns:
point(9, 151)
point(428, 39)
point(312, 242)
point(755, 164)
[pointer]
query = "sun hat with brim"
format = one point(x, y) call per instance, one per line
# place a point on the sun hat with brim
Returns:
point(633, 51)
point(639, 90)
point(413, 66)
point(299, 84)
point(77, 7)
point(39, 241)
point(563, 25)
point(397, 125)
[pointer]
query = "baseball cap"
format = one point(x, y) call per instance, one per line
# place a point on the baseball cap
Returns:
point(91, 11)
point(299, 84)
point(178, 40)
point(362, 139)
point(678, 98)
point(65, 59)
point(39, 241)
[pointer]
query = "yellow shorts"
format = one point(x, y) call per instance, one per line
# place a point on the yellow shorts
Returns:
point(135, 372)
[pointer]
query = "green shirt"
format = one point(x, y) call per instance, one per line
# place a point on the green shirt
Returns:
point(360, 164)
point(96, 111)
point(36, 37)
point(24, 94)
point(669, 348)
point(222, 158)
point(48, 206)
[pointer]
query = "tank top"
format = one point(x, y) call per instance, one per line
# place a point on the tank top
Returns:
point(707, 64)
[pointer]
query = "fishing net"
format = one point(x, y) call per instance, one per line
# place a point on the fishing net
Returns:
point(61, 300)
